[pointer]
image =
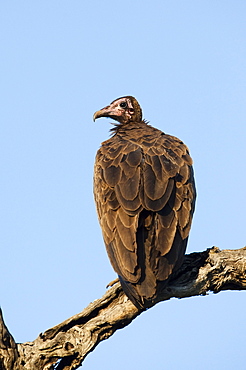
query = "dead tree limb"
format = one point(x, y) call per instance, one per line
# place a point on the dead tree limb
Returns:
point(65, 346)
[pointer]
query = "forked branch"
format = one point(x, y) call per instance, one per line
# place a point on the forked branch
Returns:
point(66, 345)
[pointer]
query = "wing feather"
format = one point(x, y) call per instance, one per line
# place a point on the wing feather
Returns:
point(145, 195)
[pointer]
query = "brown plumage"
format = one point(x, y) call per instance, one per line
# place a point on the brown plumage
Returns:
point(145, 195)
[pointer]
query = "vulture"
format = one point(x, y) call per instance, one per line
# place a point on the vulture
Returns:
point(145, 194)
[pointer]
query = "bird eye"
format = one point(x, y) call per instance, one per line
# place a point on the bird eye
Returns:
point(123, 104)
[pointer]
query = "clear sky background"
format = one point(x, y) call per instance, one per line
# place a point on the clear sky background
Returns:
point(60, 62)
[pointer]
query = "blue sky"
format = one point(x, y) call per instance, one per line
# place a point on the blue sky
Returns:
point(60, 62)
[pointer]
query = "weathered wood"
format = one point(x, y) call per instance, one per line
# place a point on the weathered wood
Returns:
point(67, 344)
point(8, 347)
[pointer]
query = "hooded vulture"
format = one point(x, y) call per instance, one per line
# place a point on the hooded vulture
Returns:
point(145, 196)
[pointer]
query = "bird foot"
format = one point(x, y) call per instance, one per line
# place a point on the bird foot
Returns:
point(112, 283)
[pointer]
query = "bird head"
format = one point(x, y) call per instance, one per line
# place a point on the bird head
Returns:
point(123, 110)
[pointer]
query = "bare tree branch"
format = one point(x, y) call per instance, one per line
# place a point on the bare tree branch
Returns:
point(8, 347)
point(65, 346)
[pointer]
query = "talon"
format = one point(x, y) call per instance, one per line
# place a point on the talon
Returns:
point(112, 283)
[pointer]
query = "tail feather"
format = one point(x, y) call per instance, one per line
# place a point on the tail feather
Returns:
point(141, 295)
point(131, 292)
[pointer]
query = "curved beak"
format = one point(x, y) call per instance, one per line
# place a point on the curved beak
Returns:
point(101, 113)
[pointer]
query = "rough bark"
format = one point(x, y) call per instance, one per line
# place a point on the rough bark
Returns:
point(66, 345)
